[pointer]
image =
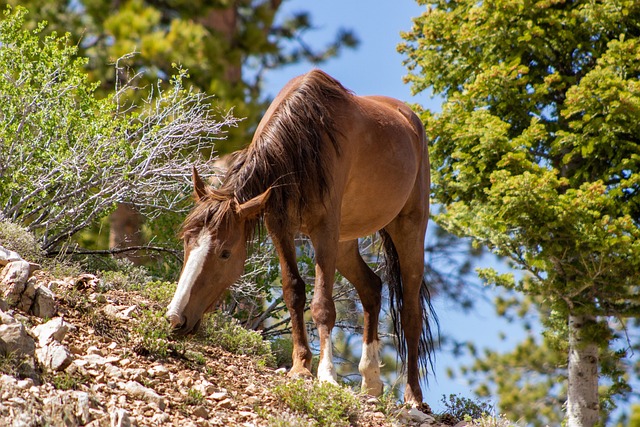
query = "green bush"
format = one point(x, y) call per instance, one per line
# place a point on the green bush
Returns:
point(462, 408)
point(224, 331)
point(326, 403)
point(18, 239)
point(69, 156)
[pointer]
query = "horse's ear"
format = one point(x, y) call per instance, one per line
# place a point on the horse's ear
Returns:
point(199, 187)
point(251, 209)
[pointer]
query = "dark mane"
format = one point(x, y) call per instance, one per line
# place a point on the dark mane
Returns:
point(290, 152)
point(289, 155)
point(211, 212)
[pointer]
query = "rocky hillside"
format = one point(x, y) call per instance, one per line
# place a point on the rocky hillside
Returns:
point(74, 351)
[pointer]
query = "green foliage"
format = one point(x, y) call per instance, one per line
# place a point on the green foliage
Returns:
point(123, 274)
point(72, 156)
point(462, 408)
point(226, 46)
point(224, 331)
point(153, 333)
point(194, 397)
point(282, 349)
point(11, 363)
point(535, 156)
point(327, 404)
point(67, 381)
point(18, 239)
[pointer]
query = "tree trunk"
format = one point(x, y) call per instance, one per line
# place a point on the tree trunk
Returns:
point(125, 230)
point(582, 405)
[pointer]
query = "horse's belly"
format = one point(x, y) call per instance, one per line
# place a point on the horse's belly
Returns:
point(370, 205)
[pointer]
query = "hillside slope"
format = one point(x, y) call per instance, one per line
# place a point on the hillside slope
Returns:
point(117, 371)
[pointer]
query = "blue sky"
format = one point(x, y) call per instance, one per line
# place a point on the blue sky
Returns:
point(375, 67)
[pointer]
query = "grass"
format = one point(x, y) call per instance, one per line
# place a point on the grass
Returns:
point(327, 404)
point(225, 332)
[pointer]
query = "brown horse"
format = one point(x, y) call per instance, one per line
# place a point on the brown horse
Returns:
point(335, 167)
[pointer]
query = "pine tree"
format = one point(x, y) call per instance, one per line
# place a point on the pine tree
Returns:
point(535, 156)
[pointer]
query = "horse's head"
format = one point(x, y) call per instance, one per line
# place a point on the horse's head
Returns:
point(215, 237)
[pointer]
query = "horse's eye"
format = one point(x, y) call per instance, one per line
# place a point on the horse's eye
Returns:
point(225, 254)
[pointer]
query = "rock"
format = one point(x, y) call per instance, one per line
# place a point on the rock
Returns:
point(139, 391)
point(13, 281)
point(44, 303)
point(54, 330)
point(226, 403)
point(218, 396)
point(54, 356)
point(418, 415)
point(95, 350)
point(15, 339)
point(201, 411)
point(119, 418)
point(27, 296)
point(7, 256)
point(113, 372)
point(281, 371)
point(159, 371)
point(95, 360)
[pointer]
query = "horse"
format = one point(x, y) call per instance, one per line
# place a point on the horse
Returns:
point(333, 166)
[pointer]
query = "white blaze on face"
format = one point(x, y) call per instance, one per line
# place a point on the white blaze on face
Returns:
point(190, 274)
point(369, 368)
point(326, 370)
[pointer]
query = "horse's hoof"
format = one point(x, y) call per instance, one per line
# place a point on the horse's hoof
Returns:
point(374, 388)
point(297, 373)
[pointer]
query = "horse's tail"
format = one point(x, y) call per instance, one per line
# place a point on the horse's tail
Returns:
point(391, 268)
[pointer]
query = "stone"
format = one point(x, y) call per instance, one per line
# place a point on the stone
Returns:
point(119, 418)
point(416, 415)
point(201, 411)
point(13, 281)
point(54, 330)
point(27, 296)
point(54, 356)
point(226, 403)
point(159, 371)
point(139, 391)
point(7, 256)
point(218, 396)
point(95, 350)
point(44, 304)
point(113, 372)
point(15, 339)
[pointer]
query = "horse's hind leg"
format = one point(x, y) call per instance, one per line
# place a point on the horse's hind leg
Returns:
point(369, 286)
point(407, 232)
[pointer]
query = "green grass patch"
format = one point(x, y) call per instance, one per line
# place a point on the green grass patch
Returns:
point(224, 331)
point(327, 404)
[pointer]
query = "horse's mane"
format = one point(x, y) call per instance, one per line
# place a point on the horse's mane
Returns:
point(289, 155)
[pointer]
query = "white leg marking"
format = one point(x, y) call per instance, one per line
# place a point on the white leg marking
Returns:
point(191, 271)
point(326, 370)
point(369, 368)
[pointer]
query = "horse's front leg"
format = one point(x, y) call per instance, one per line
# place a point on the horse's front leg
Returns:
point(323, 309)
point(294, 293)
